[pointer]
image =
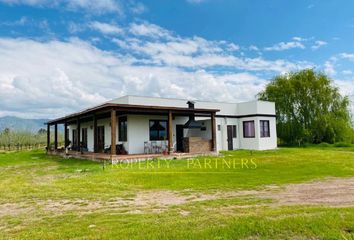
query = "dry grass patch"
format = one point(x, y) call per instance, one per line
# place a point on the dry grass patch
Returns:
point(330, 192)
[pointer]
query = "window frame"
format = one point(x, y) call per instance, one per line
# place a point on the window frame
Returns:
point(244, 132)
point(158, 131)
point(123, 129)
point(261, 128)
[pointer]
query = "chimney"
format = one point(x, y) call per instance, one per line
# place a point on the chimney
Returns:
point(191, 104)
point(192, 123)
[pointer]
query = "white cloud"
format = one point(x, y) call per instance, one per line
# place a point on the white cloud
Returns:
point(299, 39)
point(74, 27)
point(51, 74)
point(318, 44)
point(20, 22)
point(233, 47)
point(138, 8)
point(49, 79)
point(253, 48)
point(106, 28)
point(330, 65)
point(347, 56)
point(329, 68)
point(93, 6)
point(53, 78)
point(347, 72)
point(298, 42)
point(149, 30)
point(164, 48)
point(346, 88)
point(199, 53)
point(285, 46)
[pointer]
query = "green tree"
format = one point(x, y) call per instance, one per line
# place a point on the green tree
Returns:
point(42, 131)
point(309, 108)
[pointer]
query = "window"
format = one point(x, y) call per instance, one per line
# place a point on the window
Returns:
point(84, 137)
point(219, 127)
point(158, 130)
point(248, 129)
point(234, 133)
point(264, 126)
point(122, 129)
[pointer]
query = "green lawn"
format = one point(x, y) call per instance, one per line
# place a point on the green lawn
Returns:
point(47, 197)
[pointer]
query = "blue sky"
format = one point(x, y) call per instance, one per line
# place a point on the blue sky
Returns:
point(60, 56)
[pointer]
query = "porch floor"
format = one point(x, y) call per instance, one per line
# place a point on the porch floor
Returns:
point(129, 157)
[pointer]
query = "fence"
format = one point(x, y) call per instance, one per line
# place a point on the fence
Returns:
point(20, 141)
point(22, 147)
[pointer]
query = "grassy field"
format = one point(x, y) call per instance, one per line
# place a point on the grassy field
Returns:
point(239, 195)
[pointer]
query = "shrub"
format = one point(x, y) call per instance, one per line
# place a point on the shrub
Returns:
point(342, 144)
point(324, 144)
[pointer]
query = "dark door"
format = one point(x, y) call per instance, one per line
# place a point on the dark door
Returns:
point(84, 138)
point(74, 140)
point(229, 138)
point(179, 138)
point(100, 138)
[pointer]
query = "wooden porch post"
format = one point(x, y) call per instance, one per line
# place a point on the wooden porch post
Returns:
point(65, 134)
point(113, 132)
point(55, 136)
point(170, 133)
point(94, 133)
point(213, 132)
point(78, 134)
point(48, 137)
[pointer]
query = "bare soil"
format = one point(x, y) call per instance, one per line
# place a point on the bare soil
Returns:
point(333, 192)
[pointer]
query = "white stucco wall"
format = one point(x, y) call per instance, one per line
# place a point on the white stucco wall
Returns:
point(269, 142)
point(225, 108)
point(249, 143)
point(221, 134)
point(259, 143)
point(243, 108)
point(255, 107)
point(138, 125)
point(138, 132)
point(89, 126)
point(220, 139)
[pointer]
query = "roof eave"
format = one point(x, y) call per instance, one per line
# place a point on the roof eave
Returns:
point(131, 107)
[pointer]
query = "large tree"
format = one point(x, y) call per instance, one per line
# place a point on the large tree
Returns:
point(309, 108)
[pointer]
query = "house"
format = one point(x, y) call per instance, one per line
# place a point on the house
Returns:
point(151, 125)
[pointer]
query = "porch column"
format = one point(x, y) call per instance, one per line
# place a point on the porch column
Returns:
point(55, 136)
point(170, 133)
point(213, 132)
point(48, 137)
point(78, 134)
point(94, 133)
point(113, 132)
point(65, 134)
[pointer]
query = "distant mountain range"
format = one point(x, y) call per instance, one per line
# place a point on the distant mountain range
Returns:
point(21, 124)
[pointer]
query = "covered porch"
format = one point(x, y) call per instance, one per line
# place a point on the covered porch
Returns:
point(118, 132)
